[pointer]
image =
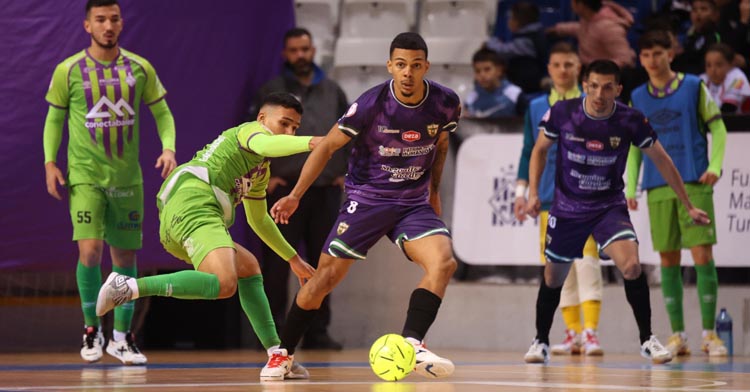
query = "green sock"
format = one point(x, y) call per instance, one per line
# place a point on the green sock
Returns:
point(671, 287)
point(708, 288)
point(89, 282)
point(182, 285)
point(124, 312)
point(255, 304)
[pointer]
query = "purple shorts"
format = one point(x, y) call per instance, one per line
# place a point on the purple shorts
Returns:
point(566, 236)
point(359, 226)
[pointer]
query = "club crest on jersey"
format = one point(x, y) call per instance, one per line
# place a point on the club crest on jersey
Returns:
point(614, 141)
point(343, 226)
point(594, 145)
point(432, 129)
point(411, 136)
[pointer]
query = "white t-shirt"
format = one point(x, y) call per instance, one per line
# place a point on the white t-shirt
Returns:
point(735, 90)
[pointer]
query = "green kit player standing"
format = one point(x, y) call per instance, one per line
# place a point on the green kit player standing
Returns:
point(196, 207)
point(100, 89)
point(681, 111)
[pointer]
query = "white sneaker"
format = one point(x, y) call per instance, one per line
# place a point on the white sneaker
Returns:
point(654, 351)
point(93, 341)
point(590, 342)
point(126, 351)
point(713, 346)
point(114, 292)
point(428, 363)
point(571, 344)
point(678, 345)
point(296, 372)
point(538, 352)
point(279, 364)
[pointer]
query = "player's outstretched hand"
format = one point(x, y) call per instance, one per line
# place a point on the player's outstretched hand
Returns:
point(632, 204)
point(699, 216)
point(709, 178)
point(300, 268)
point(533, 206)
point(53, 177)
point(284, 208)
point(519, 208)
point(166, 162)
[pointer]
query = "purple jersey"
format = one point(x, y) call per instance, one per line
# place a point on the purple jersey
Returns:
point(395, 144)
point(592, 154)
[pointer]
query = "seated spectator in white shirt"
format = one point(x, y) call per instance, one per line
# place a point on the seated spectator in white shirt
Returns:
point(727, 84)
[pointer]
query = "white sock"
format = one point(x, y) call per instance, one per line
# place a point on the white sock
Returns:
point(118, 336)
point(133, 287)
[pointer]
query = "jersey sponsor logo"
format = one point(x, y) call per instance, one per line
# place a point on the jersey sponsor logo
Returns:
point(134, 215)
point(614, 141)
point(664, 116)
point(399, 174)
point(102, 111)
point(384, 129)
point(594, 145)
point(352, 110)
point(389, 151)
point(342, 228)
point(411, 136)
point(432, 129)
point(574, 138)
point(130, 80)
point(417, 151)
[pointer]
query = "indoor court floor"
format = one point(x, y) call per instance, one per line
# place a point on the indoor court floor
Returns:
point(349, 371)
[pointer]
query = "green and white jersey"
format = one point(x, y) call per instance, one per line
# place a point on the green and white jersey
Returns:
point(103, 102)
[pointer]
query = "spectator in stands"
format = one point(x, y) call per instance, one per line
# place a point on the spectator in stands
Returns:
point(493, 95)
point(601, 32)
point(526, 52)
point(727, 84)
point(732, 29)
point(325, 102)
point(704, 17)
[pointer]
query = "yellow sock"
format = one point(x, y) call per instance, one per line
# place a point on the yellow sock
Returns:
point(572, 317)
point(591, 311)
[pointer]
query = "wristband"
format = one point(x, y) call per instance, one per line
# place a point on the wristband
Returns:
point(520, 190)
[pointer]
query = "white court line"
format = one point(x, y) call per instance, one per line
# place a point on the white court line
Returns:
point(556, 385)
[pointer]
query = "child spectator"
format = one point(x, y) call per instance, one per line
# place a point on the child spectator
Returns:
point(704, 17)
point(727, 84)
point(526, 53)
point(493, 95)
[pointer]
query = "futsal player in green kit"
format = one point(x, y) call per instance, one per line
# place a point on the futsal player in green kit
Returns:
point(196, 207)
point(100, 89)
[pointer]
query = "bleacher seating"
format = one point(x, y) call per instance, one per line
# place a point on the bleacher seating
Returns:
point(320, 17)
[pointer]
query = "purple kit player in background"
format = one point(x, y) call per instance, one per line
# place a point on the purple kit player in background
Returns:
point(400, 139)
point(594, 135)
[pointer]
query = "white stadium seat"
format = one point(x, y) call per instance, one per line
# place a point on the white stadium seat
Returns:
point(359, 64)
point(454, 18)
point(450, 62)
point(376, 18)
point(320, 17)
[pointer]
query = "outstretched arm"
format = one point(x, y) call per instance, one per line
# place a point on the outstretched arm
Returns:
point(664, 164)
point(285, 207)
point(166, 130)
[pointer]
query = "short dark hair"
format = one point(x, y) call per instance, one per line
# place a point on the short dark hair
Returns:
point(296, 32)
point(283, 99)
point(712, 3)
point(99, 3)
point(524, 13)
point(723, 49)
point(410, 41)
point(653, 38)
point(486, 54)
point(602, 67)
point(595, 5)
point(562, 47)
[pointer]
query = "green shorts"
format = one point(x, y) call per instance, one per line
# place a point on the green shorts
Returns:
point(192, 223)
point(113, 214)
point(671, 226)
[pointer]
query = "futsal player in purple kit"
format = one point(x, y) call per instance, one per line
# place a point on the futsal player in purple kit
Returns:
point(400, 133)
point(593, 135)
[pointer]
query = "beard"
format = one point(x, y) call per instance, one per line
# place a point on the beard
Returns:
point(105, 45)
point(302, 67)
